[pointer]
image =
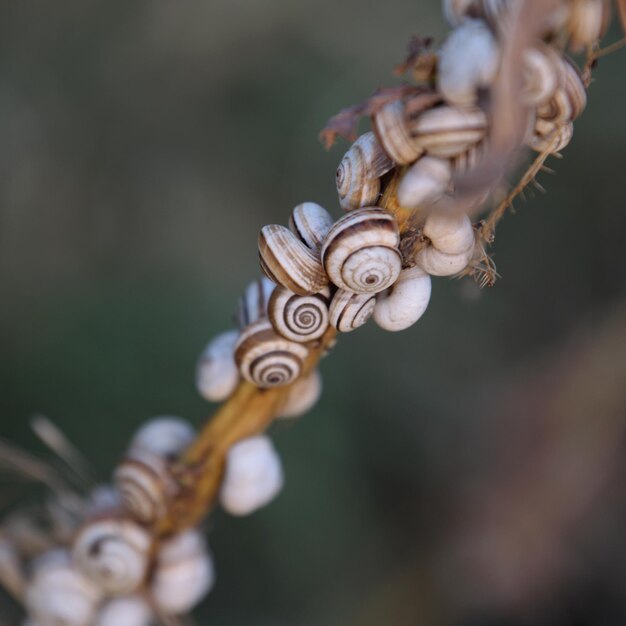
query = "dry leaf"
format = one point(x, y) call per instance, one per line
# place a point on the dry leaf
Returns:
point(418, 47)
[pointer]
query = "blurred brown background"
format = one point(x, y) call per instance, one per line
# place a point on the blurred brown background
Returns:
point(468, 471)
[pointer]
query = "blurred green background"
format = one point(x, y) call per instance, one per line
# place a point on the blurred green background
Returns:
point(467, 471)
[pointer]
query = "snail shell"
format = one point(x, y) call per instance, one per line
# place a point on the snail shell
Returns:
point(184, 573)
point(588, 22)
point(349, 310)
point(358, 174)
point(468, 61)
point(455, 11)
point(361, 252)
point(310, 222)
point(163, 436)
point(302, 396)
point(216, 372)
point(252, 305)
point(266, 359)
point(253, 476)
point(60, 594)
point(551, 137)
point(390, 126)
point(288, 262)
point(130, 611)
point(299, 318)
point(541, 75)
point(405, 302)
point(425, 181)
point(446, 131)
point(113, 554)
point(574, 87)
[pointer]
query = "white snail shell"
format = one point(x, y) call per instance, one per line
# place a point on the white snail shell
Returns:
point(60, 594)
point(252, 305)
point(310, 222)
point(405, 302)
point(266, 359)
point(288, 262)
point(361, 252)
point(253, 476)
point(358, 174)
point(113, 554)
point(299, 318)
point(541, 74)
point(468, 61)
point(302, 396)
point(129, 611)
point(216, 372)
point(349, 310)
point(390, 126)
point(424, 182)
point(588, 22)
point(551, 137)
point(102, 498)
point(162, 436)
point(184, 573)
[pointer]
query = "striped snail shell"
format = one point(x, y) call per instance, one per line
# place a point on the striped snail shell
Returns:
point(390, 127)
point(358, 174)
point(541, 74)
point(129, 611)
point(216, 372)
point(424, 182)
point(349, 310)
point(60, 594)
point(302, 396)
point(184, 573)
point(405, 302)
point(468, 61)
point(310, 222)
point(588, 22)
point(288, 262)
point(252, 305)
point(447, 131)
point(574, 87)
point(253, 476)
point(551, 137)
point(113, 554)
point(164, 436)
point(361, 252)
point(266, 359)
point(299, 318)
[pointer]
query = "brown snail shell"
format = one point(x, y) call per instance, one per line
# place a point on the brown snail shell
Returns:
point(390, 126)
point(299, 318)
point(574, 87)
point(310, 222)
point(349, 310)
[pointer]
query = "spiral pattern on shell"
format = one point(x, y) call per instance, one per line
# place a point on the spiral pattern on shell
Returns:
point(266, 359)
point(390, 126)
point(361, 251)
point(299, 318)
point(349, 311)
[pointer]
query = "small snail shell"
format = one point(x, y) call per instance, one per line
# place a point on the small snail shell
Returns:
point(60, 594)
point(390, 126)
point(348, 310)
point(184, 573)
point(551, 137)
point(299, 318)
point(252, 305)
point(163, 436)
point(361, 252)
point(558, 109)
point(266, 359)
point(130, 611)
point(359, 172)
point(425, 181)
point(113, 554)
point(288, 262)
point(541, 75)
point(302, 396)
point(253, 476)
point(405, 302)
point(446, 131)
point(588, 22)
point(455, 11)
point(468, 61)
point(574, 87)
point(216, 372)
point(101, 499)
point(310, 222)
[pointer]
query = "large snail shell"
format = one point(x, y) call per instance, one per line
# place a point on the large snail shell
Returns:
point(348, 310)
point(541, 74)
point(299, 318)
point(446, 131)
point(302, 396)
point(288, 262)
point(163, 436)
point(390, 126)
point(588, 22)
point(468, 61)
point(184, 573)
point(113, 554)
point(216, 372)
point(130, 611)
point(252, 305)
point(310, 222)
point(361, 252)
point(60, 594)
point(358, 174)
point(551, 137)
point(424, 182)
point(405, 302)
point(253, 476)
point(266, 359)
